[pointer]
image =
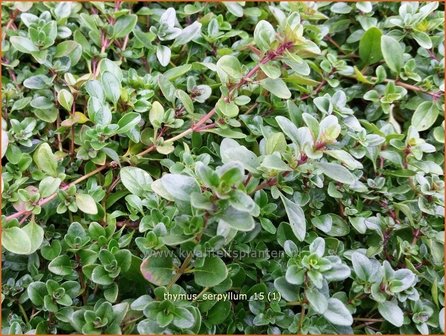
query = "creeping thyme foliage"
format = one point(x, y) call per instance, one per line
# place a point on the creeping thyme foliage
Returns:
point(222, 168)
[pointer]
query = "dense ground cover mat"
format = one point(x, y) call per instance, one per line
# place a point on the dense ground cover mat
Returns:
point(230, 168)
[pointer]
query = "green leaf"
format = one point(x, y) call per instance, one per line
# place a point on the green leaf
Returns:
point(15, 240)
point(94, 89)
point(264, 35)
point(45, 160)
point(274, 162)
point(49, 304)
point(226, 133)
point(345, 158)
point(36, 82)
point(72, 288)
point(86, 204)
point(156, 114)
point(229, 109)
point(185, 100)
point(239, 220)
point(178, 186)
point(275, 144)
point(370, 46)
point(289, 128)
point(360, 77)
point(337, 313)
point(167, 88)
point(128, 121)
point(425, 116)
point(339, 227)
point(124, 25)
point(163, 54)
point(119, 312)
point(189, 33)
point(49, 252)
point(61, 266)
point(337, 272)
point(231, 151)
point(183, 318)
point(219, 312)
point(230, 66)
point(70, 49)
point(23, 44)
point(65, 98)
point(145, 38)
point(317, 300)
point(317, 247)
point(211, 273)
point(101, 276)
point(422, 39)
point(158, 269)
point(36, 292)
point(42, 103)
point(362, 266)
point(177, 72)
point(402, 279)
point(98, 112)
point(296, 218)
point(288, 291)
point(231, 174)
point(277, 87)
point(35, 234)
point(329, 129)
point(336, 172)
point(136, 180)
point(234, 8)
point(111, 86)
point(63, 10)
point(392, 313)
point(294, 275)
point(111, 66)
point(392, 53)
point(20, 104)
point(330, 122)
point(15, 329)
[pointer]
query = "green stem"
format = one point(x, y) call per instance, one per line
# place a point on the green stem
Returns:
point(205, 289)
point(22, 310)
point(181, 270)
point(410, 87)
point(365, 319)
point(301, 319)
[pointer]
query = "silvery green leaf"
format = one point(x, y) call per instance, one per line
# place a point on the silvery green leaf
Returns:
point(274, 162)
point(318, 246)
point(136, 180)
point(169, 17)
point(336, 172)
point(364, 268)
point(189, 33)
point(230, 150)
point(392, 313)
point(163, 54)
point(317, 300)
point(337, 313)
point(296, 218)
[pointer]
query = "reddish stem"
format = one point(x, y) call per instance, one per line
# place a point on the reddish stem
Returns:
point(48, 199)
point(319, 87)
point(271, 55)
